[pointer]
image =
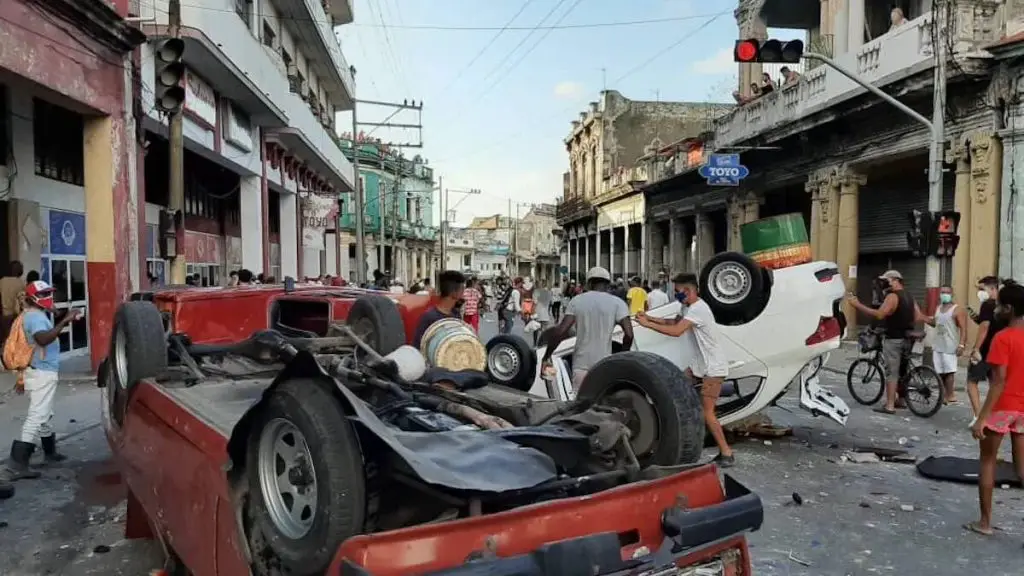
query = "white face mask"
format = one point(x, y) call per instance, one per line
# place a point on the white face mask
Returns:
point(983, 296)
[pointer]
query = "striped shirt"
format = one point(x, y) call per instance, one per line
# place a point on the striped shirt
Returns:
point(471, 302)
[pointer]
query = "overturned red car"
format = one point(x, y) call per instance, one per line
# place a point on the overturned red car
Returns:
point(268, 432)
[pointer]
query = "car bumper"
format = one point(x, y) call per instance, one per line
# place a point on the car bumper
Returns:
point(649, 527)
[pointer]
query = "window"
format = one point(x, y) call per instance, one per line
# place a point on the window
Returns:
point(467, 260)
point(269, 37)
point(244, 10)
point(286, 57)
point(59, 142)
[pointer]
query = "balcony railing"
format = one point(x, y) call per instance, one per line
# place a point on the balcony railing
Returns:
point(573, 209)
point(895, 55)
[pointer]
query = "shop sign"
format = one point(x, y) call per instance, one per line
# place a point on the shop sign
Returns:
point(202, 248)
point(200, 98)
point(67, 233)
point(237, 128)
point(318, 213)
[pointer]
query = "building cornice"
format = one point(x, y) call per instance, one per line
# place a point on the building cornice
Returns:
point(98, 20)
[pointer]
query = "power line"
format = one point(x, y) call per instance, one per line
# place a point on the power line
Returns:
point(525, 38)
point(395, 63)
point(528, 52)
point(508, 28)
point(486, 46)
point(689, 35)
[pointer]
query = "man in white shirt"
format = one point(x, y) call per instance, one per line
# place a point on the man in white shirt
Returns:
point(710, 364)
point(657, 296)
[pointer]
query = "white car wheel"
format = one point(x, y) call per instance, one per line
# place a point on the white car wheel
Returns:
point(729, 282)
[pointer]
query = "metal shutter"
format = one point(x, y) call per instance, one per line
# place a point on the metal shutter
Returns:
point(884, 214)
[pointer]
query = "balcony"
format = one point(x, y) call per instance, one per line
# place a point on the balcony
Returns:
point(572, 209)
point(315, 32)
point(339, 10)
point(894, 56)
point(315, 145)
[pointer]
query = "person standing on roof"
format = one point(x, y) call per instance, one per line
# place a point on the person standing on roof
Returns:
point(595, 313)
point(40, 380)
point(451, 284)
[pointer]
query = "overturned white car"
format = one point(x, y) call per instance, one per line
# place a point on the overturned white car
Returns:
point(778, 328)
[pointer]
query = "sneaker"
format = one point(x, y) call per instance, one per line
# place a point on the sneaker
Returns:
point(723, 461)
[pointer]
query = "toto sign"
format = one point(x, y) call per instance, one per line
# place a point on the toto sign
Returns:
point(724, 170)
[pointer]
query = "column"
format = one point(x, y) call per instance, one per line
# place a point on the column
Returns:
point(825, 19)
point(586, 255)
point(705, 232)
point(840, 26)
point(1011, 233)
point(751, 207)
point(986, 181)
point(643, 249)
point(848, 237)
point(963, 288)
point(626, 268)
point(675, 246)
point(751, 26)
point(813, 188)
point(109, 220)
point(828, 218)
point(250, 200)
point(289, 236)
point(736, 218)
point(855, 31)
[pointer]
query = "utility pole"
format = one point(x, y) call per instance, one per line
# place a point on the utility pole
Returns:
point(395, 213)
point(449, 213)
point(360, 201)
point(176, 179)
point(359, 208)
point(442, 195)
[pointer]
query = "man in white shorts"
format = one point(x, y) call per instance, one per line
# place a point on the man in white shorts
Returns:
point(949, 342)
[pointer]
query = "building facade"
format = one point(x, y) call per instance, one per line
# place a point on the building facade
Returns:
point(853, 165)
point(538, 241)
point(602, 210)
point(263, 167)
point(398, 213)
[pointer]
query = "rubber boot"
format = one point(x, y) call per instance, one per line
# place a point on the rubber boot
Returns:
point(17, 464)
point(50, 449)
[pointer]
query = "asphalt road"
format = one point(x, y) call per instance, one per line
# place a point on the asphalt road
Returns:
point(856, 519)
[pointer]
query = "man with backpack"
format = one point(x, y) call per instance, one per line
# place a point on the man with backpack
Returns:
point(34, 343)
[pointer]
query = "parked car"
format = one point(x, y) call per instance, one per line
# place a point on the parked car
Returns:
point(778, 327)
point(293, 452)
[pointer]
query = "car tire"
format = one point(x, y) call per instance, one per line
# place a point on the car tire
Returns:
point(378, 322)
point(734, 287)
point(512, 362)
point(319, 430)
point(678, 432)
point(138, 344)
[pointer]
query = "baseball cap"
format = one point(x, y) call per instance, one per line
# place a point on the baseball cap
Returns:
point(892, 275)
point(37, 288)
point(599, 273)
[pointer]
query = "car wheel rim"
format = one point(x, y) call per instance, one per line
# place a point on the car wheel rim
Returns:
point(287, 478)
point(729, 282)
point(641, 418)
point(121, 358)
point(503, 362)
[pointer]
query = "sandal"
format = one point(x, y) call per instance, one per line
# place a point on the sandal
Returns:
point(973, 527)
point(884, 410)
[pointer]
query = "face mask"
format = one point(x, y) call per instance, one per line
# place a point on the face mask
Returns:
point(983, 296)
point(681, 297)
point(945, 298)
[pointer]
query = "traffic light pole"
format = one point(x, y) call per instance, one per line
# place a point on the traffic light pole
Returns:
point(176, 160)
point(936, 126)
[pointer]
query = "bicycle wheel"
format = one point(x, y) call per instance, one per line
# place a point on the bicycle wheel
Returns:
point(866, 381)
point(923, 391)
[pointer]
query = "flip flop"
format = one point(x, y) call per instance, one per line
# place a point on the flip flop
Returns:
point(973, 527)
point(884, 410)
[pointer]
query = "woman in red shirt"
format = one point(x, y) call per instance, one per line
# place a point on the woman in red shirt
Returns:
point(471, 305)
point(1003, 411)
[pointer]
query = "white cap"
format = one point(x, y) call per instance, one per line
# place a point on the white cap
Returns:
point(599, 273)
point(892, 275)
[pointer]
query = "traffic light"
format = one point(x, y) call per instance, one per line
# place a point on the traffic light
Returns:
point(768, 51)
point(919, 237)
point(169, 93)
point(946, 225)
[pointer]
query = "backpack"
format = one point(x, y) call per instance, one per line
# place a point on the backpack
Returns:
point(17, 354)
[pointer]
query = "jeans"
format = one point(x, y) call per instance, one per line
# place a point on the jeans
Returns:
point(506, 318)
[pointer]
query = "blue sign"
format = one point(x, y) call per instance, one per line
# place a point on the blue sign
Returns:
point(67, 233)
point(724, 170)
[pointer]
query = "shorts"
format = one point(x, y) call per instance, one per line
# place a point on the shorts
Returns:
point(980, 372)
point(577, 379)
point(892, 356)
point(944, 362)
point(1006, 422)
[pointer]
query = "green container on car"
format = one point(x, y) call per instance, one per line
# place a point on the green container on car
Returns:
point(777, 242)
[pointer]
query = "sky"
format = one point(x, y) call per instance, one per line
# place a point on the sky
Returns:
point(497, 105)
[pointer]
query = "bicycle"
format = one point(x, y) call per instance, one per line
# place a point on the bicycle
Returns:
point(917, 381)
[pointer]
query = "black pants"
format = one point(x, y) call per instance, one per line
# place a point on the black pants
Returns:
point(556, 311)
point(506, 318)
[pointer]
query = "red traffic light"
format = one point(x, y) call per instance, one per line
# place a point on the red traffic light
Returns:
point(746, 50)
